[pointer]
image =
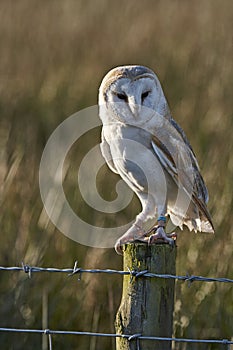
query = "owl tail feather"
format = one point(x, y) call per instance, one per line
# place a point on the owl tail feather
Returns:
point(197, 218)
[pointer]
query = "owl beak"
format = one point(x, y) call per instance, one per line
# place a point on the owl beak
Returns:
point(135, 107)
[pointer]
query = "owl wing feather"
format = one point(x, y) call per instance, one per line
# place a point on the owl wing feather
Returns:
point(202, 191)
point(106, 152)
point(175, 153)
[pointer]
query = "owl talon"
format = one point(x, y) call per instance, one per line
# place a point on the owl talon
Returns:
point(118, 247)
point(153, 229)
point(135, 233)
point(161, 236)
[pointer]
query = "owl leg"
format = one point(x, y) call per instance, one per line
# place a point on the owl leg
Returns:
point(159, 233)
point(135, 232)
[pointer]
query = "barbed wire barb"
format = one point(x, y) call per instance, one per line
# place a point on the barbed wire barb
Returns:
point(27, 269)
point(76, 270)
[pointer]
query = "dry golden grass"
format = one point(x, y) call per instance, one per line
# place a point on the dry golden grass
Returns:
point(53, 57)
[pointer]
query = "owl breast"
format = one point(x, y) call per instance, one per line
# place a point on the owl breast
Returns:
point(133, 158)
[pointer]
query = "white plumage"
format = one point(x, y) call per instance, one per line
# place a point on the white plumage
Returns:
point(144, 145)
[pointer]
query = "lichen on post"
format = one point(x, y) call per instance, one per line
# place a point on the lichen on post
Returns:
point(147, 303)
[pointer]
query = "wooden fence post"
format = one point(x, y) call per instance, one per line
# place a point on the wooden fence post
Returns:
point(147, 303)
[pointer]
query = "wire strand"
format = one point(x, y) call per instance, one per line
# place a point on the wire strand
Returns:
point(78, 270)
point(130, 337)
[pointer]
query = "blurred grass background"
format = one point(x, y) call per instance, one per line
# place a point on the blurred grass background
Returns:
point(53, 57)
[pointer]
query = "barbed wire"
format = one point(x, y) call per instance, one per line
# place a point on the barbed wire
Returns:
point(129, 337)
point(133, 273)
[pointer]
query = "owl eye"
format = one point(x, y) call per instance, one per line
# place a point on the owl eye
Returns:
point(145, 94)
point(122, 97)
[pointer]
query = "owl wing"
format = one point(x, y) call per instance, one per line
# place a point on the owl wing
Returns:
point(106, 152)
point(175, 153)
point(201, 189)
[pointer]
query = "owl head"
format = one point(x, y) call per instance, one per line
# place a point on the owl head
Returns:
point(131, 95)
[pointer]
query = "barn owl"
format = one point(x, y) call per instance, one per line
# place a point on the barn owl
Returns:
point(144, 145)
